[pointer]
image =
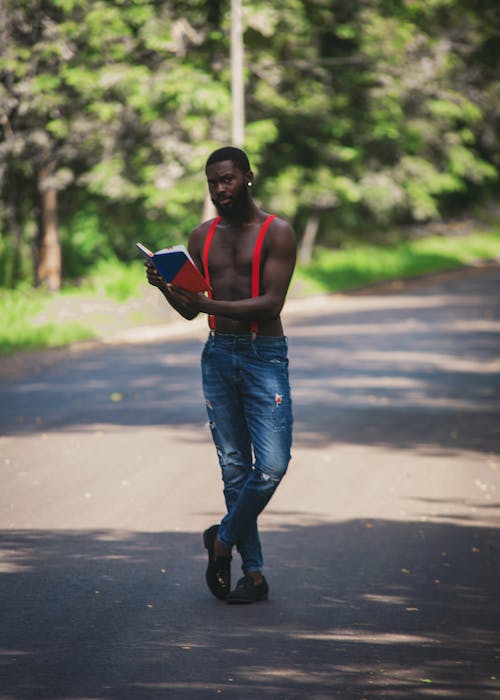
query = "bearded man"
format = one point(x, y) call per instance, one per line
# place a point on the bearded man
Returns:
point(247, 256)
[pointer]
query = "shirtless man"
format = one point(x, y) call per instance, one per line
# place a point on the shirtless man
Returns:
point(248, 258)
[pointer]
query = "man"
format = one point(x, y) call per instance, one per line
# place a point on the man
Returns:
point(248, 257)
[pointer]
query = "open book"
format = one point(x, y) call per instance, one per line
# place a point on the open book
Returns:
point(177, 267)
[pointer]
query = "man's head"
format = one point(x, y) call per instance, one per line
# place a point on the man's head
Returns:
point(235, 155)
point(229, 180)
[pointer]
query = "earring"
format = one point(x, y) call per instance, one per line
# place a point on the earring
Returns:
point(249, 184)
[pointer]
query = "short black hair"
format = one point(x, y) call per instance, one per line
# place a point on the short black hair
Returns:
point(236, 155)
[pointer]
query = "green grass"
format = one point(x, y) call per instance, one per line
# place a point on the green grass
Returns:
point(341, 270)
point(112, 294)
point(33, 319)
point(116, 281)
point(19, 329)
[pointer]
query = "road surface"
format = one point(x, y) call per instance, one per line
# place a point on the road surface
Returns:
point(381, 545)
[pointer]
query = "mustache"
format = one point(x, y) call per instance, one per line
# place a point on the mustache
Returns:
point(231, 201)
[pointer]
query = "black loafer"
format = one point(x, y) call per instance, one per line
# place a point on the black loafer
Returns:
point(218, 573)
point(247, 591)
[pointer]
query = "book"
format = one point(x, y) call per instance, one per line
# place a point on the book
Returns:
point(177, 267)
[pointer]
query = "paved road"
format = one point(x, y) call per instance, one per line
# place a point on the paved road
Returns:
point(382, 543)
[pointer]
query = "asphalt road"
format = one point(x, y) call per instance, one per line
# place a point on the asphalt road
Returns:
point(382, 543)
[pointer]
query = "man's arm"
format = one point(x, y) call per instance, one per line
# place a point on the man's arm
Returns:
point(279, 263)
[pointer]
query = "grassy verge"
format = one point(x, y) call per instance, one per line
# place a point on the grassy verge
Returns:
point(32, 319)
point(114, 296)
point(20, 329)
point(341, 270)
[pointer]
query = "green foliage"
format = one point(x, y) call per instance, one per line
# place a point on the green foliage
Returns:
point(97, 234)
point(348, 268)
point(363, 114)
point(117, 281)
point(392, 105)
point(83, 241)
point(32, 320)
point(20, 331)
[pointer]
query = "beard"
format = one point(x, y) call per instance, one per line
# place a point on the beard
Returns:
point(235, 204)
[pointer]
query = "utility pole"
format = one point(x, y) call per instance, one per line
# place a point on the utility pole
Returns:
point(237, 82)
point(237, 92)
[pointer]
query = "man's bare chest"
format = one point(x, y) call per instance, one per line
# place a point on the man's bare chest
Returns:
point(232, 253)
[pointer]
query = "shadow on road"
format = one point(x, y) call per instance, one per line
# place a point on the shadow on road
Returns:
point(418, 368)
point(406, 369)
point(359, 609)
point(359, 396)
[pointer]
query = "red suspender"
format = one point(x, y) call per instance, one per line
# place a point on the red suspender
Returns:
point(255, 263)
point(206, 248)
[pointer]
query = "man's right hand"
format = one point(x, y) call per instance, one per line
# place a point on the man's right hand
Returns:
point(154, 276)
point(155, 279)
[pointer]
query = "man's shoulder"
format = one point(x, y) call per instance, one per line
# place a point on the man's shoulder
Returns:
point(280, 223)
point(280, 229)
point(280, 241)
point(200, 232)
point(204, 226)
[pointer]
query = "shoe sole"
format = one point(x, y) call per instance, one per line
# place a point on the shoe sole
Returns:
point(214, 588)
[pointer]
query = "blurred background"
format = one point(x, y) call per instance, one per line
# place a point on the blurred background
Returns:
point(372, 125)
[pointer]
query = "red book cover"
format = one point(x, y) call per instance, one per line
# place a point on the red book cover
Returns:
point(176, 266)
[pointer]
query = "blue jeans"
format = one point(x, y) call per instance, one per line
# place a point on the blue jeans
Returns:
point(247, 394)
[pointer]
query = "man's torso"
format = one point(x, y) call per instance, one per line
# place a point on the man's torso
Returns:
point(230, 268)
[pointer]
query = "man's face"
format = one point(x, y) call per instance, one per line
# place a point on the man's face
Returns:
point(228, 188)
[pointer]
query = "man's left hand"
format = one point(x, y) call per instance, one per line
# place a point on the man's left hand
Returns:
point(192, 300)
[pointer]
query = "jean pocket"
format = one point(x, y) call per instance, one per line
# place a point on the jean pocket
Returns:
point(271, 355)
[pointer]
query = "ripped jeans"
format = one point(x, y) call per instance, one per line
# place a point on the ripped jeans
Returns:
point(247, 394)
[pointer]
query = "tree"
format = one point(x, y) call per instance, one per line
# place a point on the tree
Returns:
point(377, 116)
point(44, 134)
point(359, 116)
point(118, 101)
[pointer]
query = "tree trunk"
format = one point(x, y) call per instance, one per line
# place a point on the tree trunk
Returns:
point(48, 253)
point(308, 239)
point(12, 266)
